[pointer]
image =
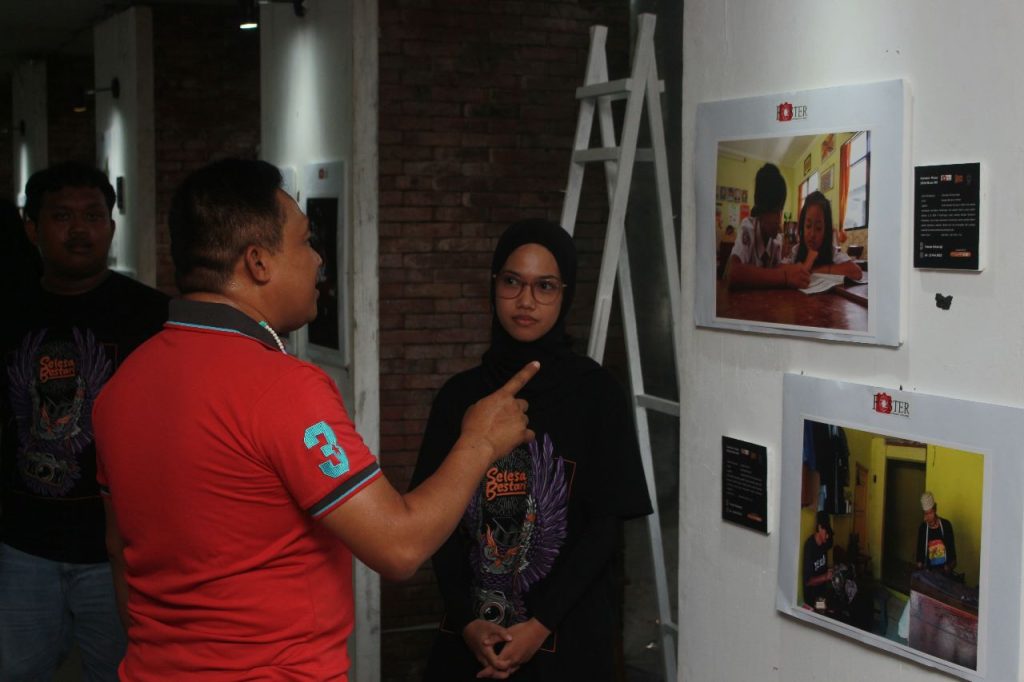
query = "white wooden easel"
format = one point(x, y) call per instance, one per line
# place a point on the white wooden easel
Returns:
point(596, 94)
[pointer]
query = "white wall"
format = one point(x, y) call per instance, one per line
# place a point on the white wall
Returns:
point(312, 111)
point(306, 81)
point(125, 144)
point(28, 105)
point(957, 57)
point(306, 102)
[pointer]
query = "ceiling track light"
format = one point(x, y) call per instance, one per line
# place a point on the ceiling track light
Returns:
point(250, 15)
point(250, 12)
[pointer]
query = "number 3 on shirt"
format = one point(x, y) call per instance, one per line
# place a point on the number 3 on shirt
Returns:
point(322, 434)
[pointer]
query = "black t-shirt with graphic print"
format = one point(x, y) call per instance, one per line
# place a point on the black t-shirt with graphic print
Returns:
point(540, 536)
point(815, 564)
point(58, 351)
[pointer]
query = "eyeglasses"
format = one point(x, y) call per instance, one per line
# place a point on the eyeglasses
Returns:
point(545, 290)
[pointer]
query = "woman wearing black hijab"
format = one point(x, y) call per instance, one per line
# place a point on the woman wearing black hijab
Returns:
point(527, 578)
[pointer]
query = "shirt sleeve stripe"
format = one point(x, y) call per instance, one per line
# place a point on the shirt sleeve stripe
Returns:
point(349, 487)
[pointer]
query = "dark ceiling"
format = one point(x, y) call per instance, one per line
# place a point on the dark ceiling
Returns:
point(39, 28)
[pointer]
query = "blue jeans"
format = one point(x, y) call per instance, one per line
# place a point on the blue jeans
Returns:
point(44, 606)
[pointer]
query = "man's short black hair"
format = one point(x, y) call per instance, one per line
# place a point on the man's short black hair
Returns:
point(216, 213)
point(59, 176)
point(824, 522)
point(769, 190)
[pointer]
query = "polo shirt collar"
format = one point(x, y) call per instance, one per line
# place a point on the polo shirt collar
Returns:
point(218, 317)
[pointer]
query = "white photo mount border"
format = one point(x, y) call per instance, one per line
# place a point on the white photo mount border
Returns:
point(994, 431)
point(883, 109)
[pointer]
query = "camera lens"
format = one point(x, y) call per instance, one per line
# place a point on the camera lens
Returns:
point(492, 612)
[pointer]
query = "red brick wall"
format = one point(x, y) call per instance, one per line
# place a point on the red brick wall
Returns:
point(477, 114)
point(206, 94)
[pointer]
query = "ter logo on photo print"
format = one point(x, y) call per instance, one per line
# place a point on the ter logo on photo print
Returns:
point(786, 111)
point(884, 404)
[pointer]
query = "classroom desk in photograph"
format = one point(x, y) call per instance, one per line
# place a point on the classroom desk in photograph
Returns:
point(843, 307)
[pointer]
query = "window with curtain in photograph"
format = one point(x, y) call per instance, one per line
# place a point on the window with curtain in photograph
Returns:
point(806, 187)
point(855, 164)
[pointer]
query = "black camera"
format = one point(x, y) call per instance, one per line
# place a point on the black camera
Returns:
point(493, 606)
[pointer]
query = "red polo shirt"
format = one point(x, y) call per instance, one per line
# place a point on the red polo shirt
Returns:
point(218, 452)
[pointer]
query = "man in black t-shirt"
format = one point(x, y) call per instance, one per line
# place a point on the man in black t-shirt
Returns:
point(816, 572)
point(61, 340)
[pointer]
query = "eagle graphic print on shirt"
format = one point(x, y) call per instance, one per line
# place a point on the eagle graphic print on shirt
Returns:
point(53, 383)
point(517, 522)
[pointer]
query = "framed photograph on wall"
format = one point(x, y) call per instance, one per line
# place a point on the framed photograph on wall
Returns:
point(893, 513)
point(827, 145)
point(738, 138)
point(827, 181)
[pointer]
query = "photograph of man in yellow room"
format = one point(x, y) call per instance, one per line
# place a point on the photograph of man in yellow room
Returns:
point(865, 498)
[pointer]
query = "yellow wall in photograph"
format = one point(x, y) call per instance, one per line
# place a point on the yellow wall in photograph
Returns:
point(871, 451)
point(819, 166)
point(956, 479)
point(859, 443)
point(737, 173)
point(732, 172)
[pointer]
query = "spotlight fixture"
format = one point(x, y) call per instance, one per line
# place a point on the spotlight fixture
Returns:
point(80, 103)
point(250, 13)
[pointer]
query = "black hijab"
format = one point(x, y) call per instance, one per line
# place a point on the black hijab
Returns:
point(506, 356)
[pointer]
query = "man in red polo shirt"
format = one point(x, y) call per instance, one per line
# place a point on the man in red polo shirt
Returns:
point(236, 486)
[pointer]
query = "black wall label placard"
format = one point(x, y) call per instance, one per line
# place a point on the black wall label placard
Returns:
point(745, 483)
point(946, 216)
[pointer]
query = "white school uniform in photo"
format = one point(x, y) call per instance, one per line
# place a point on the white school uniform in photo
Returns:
point(751, 249)
point(838, 256)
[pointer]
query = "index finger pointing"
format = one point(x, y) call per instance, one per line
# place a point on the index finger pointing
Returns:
point(520, 378)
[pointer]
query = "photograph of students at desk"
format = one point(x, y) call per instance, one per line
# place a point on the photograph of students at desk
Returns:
point(801, 274)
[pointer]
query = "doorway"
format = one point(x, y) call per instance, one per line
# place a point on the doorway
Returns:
point(904, 483)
